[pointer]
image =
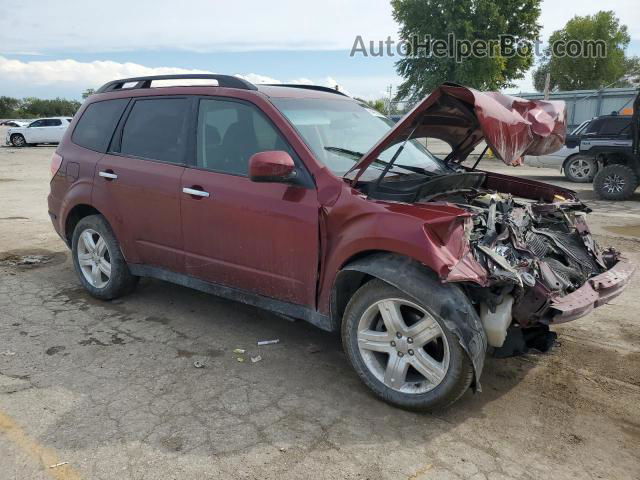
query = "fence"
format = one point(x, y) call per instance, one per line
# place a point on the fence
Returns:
point(581, 104)
point(585, 104)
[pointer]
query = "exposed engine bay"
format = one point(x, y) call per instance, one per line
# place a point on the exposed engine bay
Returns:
point(533, 252)
point(529, 263)
point(528, 245)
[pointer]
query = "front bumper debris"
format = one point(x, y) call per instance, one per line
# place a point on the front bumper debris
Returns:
point(596, 291)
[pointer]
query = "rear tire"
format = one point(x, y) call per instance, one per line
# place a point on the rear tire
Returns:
point(580, 169)
point(402, 351)
point(98, 261)
point(615, 182)
point(17, 140)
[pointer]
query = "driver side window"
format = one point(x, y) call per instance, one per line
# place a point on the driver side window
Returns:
point(37, 123)
point(229, 133)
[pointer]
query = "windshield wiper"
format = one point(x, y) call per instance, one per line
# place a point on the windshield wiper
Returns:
point(351, 153)
point(359, 155)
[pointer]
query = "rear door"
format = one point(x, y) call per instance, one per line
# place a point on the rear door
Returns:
point(137, 182)
point(35, 132)
point(259, 237)
point(53, 130)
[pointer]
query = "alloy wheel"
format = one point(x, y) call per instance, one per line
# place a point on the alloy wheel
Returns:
point(403, 346)
point(94, 258)
point(614, 183)
point(18, 141)
point(581, 168)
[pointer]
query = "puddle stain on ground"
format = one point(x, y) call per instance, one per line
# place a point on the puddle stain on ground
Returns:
point(115, 340)
point(54, 350)
point(180, 353)
point(28, 259)
point(628, 230)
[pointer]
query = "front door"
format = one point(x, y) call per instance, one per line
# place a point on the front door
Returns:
point(259, 237)
point(35, 132)
point(137, 183)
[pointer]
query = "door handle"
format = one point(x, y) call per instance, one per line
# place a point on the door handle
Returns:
point(108, 175)
point(195, 192)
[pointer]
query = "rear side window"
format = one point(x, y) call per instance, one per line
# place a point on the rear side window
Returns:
point(616, 126)
point(155, 129)
point(52, 122)
point(95, 128)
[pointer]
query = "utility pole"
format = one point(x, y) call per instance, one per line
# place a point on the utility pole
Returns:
point(390, 90)
point(547, 84)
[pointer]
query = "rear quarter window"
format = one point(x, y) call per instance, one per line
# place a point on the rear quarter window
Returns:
point(96, 126)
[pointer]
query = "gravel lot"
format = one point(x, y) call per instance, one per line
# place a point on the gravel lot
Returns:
point(110, 387)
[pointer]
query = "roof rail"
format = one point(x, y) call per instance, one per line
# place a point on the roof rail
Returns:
point(307, 87)
point(228, 81)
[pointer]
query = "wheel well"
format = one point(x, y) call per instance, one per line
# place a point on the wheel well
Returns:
point(347, 282)
point(76, 214)
point(614, 158)
point(568, 159)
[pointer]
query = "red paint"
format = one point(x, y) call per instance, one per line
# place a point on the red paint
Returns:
point(264, 166)
point(463, 117)
point(280, 240)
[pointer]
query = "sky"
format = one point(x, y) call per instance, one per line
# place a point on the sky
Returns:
point(60, 48)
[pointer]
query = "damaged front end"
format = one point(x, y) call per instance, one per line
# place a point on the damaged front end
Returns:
point(543, 265)
point(527, 259)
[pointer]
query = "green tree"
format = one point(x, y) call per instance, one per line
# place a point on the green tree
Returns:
point(88, 92)
point(8, 107)
point(380, 104)
point(467, 20)
point(38, 107)
point(588, 71)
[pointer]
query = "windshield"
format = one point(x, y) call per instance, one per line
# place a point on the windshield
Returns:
point(339, 132)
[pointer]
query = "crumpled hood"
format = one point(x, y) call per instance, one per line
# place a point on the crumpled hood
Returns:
point(463, 117)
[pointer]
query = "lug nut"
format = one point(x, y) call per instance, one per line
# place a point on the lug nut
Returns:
point(400, 354)
point(410, 352)
point(393, 344)
point(409, 340)
point(399, 335)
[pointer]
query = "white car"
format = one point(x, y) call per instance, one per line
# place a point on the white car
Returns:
point(43, 130)
point(577, 168)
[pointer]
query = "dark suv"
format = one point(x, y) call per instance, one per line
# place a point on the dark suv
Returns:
point(262, 194)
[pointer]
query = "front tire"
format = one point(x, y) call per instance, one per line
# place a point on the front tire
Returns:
point(98, 261)
point(403, 351)
point(580, 169)
point(17, 140)
point(615, 182)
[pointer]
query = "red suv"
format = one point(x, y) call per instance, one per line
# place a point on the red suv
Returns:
point(305, 202)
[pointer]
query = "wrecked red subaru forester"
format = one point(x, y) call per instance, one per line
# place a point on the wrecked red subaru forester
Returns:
point(303, 201)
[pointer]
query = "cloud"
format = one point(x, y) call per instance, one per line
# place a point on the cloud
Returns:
point(71, 72)
point(198, 25)
point(61, 76)
point(214, 25)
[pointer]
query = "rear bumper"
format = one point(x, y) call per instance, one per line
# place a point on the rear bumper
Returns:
point(597, 291)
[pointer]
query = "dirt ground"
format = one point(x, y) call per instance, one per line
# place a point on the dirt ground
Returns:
point(108, 390)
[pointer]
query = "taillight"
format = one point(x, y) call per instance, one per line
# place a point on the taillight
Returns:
point(56, 162)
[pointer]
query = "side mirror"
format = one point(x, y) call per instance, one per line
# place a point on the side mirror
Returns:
point(271, 166)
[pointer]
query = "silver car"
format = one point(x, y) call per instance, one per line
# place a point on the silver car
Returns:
point(577, 168)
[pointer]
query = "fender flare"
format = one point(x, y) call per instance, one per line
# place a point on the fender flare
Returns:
point(446, 300)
